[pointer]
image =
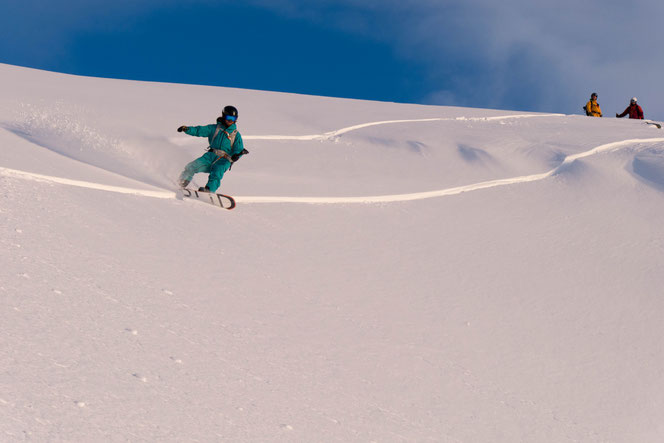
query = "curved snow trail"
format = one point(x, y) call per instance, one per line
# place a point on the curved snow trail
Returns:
point(451, 191)
point(332, 134)
point(326, 136)
point(608, 147)
point(83, 184)
point(614, 146)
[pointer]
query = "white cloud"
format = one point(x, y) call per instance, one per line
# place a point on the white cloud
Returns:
point(535, 55)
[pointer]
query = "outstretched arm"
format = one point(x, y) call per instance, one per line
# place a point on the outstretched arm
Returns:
point(196, 131)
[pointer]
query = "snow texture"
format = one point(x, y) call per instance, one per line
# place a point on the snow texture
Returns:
point(392, 272)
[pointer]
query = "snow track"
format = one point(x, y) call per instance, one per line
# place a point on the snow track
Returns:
point(368, 199)
point(83, 184)
point(333, 134)
point(456, 190)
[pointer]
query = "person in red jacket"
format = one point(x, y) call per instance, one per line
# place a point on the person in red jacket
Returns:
point(634, 110)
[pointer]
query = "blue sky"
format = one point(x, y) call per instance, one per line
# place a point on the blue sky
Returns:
point(523, 55)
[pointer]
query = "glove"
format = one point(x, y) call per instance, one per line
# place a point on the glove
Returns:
point(617, 116)
point(236, 157)
point(182, 128)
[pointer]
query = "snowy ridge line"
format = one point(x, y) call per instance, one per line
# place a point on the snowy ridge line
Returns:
point(338, 132)
point(608, 147)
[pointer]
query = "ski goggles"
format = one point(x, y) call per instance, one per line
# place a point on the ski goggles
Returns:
point(230, 118)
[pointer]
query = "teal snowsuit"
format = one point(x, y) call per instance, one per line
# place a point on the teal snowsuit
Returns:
point(210, 162)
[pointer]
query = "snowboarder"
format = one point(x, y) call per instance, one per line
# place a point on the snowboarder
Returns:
point(225, 148)
point(634, 110)
point(592, 107)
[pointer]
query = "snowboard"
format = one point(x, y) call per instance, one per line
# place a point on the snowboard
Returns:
point(659, 125)
point(218, 200)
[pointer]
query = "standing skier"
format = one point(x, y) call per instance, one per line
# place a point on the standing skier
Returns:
point(634, 110)
point(225, 148)
point(592, 107)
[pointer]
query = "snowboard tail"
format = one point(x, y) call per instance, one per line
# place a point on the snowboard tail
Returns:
point(219, 200)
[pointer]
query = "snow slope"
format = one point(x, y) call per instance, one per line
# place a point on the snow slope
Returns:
point(391, 273)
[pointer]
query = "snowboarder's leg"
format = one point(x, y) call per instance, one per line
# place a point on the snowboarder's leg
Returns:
point(201, 164)
point(217, 172)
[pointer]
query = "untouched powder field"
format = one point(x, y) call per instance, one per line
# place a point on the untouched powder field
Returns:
point(391, 272)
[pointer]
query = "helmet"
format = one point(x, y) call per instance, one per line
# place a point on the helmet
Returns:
point(229, 111)
point(594, 94)
point(633, 100)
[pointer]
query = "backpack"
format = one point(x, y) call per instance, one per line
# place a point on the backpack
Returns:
point(586, 109)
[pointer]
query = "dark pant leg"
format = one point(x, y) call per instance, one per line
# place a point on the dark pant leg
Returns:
point(217, 172)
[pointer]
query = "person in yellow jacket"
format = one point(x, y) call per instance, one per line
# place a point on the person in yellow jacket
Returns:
point(592, 107)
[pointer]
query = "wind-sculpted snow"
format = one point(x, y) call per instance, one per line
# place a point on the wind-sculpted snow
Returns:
point(643, 168)
point(61, 129)
point(649, 165)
